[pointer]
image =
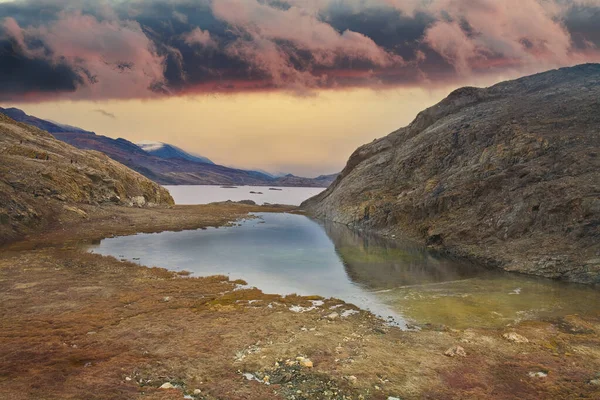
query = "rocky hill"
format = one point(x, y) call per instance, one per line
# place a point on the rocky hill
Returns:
point(509, 175)
point(42, 178)
point(161, 162)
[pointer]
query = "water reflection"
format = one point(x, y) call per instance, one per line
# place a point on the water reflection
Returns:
point(378, 263)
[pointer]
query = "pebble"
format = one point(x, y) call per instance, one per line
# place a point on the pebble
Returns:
point(352, 379)
point(515, 337)
point(455, 351)
point(197, 391)
point(167, 385)
point(127, 378)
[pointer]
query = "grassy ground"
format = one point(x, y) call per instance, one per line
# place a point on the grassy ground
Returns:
point(82, 326)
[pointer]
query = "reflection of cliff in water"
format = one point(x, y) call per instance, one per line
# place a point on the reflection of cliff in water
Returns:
point(379, 263)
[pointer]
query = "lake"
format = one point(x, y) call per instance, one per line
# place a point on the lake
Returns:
point(204, 194)
point(287, 253)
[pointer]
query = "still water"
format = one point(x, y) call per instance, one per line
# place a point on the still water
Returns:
point(204, 194)
point(286, 253)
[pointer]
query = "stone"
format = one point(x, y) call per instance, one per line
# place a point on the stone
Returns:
point(306, 363)
point(352, 379)
point(538, 374)
point(167, 385)
point(76, 210)
point(455, 351)
point(197, 391)
point(138, 201)
point(515, 337)
point(333, 316)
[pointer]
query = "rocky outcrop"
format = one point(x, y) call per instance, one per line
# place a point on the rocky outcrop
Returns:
point(41, 177)
point(509, 175)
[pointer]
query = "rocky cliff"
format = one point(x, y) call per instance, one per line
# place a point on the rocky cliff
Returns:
point(509, 175)
point(42, 178)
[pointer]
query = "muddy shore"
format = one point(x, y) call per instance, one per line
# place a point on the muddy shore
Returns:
point(77, 325)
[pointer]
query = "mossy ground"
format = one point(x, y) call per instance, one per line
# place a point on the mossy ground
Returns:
point(77, 325)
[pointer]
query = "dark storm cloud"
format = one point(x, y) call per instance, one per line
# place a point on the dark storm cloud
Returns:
point(137, 49)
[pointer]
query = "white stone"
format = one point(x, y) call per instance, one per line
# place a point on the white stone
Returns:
point(333, 316)
point(167, 385)
point(515, 337)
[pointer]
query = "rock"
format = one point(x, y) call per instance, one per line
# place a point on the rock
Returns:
point(306, 363)
point(515, 337)
point(352, 379)
point(197, 391)
point(138, 201)
point(128, 379)
point(76, 210)
point(455, 351)
point(167, 385)
point(538, 374)
point(445, 178)
point(333, 316)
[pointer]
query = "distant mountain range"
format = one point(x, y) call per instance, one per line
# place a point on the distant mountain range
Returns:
point(164, 150)
point(162, 162)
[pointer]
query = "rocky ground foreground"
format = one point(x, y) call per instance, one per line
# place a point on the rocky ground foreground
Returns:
point(77, 325)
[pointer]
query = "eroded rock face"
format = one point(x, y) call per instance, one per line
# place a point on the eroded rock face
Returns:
point(41, 177)
point(508, 174)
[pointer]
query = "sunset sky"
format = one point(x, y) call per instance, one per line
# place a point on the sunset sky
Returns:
point(281, 85)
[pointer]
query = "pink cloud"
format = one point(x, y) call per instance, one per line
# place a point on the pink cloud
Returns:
point(199, 37)
point(527, 32)
point(267, 27)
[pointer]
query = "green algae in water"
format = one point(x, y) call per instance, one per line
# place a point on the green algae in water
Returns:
point(491, 302)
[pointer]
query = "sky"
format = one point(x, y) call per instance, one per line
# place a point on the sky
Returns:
point(280, 85)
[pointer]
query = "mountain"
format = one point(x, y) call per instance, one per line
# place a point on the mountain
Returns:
point(509, 175)
point(42, 178)
point(48, 126)
point(163, 163)
point(166, 171)
point(164, 150)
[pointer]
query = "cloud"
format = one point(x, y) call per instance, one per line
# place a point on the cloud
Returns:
point(107, 49)
point(105, 113)
point(199, 37)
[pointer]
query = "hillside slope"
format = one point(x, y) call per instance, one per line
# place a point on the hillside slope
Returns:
point(42, 178)
point(508, 174)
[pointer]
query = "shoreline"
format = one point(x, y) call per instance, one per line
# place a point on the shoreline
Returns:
point(83, 325)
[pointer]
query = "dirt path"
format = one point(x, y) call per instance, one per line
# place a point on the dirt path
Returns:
point(82, 326)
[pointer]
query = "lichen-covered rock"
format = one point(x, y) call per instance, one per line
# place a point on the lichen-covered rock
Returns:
point(508, 174)
point(41, 177)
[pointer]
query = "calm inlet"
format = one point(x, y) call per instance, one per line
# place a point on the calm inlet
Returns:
point(287, 253)
point(204, 194)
